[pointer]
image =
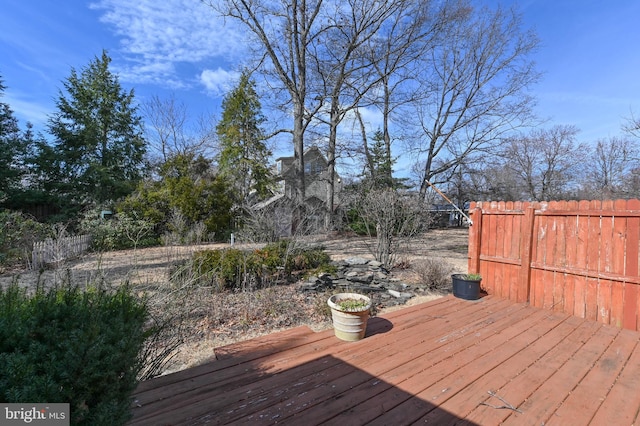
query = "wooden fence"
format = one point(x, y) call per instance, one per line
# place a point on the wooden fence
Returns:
point(56, 250)
point(578, 257)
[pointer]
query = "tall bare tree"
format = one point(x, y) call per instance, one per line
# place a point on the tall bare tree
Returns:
point(286, 31)
point(343, 67)
point(396, 52)
point(632, 126)
point(546, 161)
point(474, 89)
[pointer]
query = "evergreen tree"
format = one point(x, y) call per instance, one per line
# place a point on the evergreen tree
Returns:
point(379, 166)
point(12, 151)
point(98, 152)
point(187, 186)
point(243, 155)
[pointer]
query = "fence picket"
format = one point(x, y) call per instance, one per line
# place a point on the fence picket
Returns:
point(56, 250)
point(582, 258)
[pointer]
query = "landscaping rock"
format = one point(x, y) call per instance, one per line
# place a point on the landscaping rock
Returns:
point(363, 276)
point(357, 261)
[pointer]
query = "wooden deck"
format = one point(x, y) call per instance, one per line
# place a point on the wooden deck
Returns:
point(449, 361)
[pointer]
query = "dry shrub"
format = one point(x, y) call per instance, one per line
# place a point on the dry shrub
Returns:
point(269, 308)
point(393, 218)
point(433, 275)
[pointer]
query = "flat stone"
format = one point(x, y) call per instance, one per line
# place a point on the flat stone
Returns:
point(356, 261)
point(380, 275)
point(375, 264)
point(399, 294)
point(360, 278)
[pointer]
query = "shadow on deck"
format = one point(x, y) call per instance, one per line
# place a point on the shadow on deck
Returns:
point(448, 361)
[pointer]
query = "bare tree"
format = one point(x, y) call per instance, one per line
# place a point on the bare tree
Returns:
point(632, 126)
point(343, 66)
point(168, 130)
point(610, 167)
point(546, 161)
point(474, 89)
point(396, 55)
point(392, 219)
point(286, 31)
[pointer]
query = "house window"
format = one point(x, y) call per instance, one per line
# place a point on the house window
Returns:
point(313, 167)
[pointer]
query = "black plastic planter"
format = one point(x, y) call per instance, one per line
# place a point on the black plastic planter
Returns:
point(465, 288)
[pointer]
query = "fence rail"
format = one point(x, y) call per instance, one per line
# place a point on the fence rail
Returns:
point(56, 250)
point(578, 257)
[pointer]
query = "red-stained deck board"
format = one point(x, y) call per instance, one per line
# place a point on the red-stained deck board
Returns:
point(594, 387)
point(432, 359)
point(616, 409)
point(467, 399)
point(550, 396)
point(447, 378)
point(528, 382)
point(397, 354)
point(433, 362)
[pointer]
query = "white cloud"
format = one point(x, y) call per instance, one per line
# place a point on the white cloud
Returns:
point(27, 110)
point(219, 81)
point(157, 36)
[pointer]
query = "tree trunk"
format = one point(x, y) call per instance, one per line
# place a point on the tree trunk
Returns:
point(298, 166)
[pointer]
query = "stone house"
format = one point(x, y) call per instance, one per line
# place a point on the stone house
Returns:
point(316, 177)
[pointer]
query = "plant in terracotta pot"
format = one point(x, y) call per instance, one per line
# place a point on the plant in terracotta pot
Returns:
point(350, 313)
point(466, 286)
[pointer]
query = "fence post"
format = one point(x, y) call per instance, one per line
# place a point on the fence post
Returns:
point(526, 250)
point(475, 239)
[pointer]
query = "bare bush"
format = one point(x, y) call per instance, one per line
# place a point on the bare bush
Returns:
point(262, 225)
point(393, 218)
point(433, 275)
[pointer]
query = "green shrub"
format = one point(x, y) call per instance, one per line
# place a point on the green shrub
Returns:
point(272, 256)
point(233, 268)
point(73, 346)
point(18, 232)
point(282, 255)
point(224, 269)
point(119, 232)
point(358, 224)
point(304, 259)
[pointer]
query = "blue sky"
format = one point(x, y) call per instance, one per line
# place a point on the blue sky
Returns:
point(590, 55)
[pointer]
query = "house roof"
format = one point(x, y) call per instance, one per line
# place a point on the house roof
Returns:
point(267, 202)
point(307, 151)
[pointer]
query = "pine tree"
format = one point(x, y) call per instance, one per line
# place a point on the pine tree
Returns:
point(379, 168)
point(244, 155)
point(11, 150)
point(98, 152)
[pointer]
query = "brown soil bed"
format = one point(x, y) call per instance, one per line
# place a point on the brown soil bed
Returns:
point(205, 319)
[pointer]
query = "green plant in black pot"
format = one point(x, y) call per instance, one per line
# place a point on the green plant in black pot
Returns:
point(466, 286)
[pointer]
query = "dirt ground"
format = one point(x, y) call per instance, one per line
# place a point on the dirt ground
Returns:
point(218, 319)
